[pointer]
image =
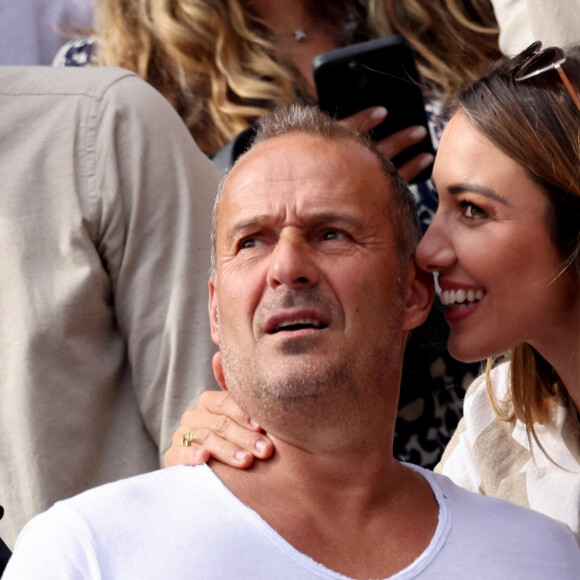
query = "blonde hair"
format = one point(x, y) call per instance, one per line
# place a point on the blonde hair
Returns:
point(453, 40)
point(221, 67)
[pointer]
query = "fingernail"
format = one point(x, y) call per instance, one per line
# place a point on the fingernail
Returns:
point(418, 132)
point(261, 445)
point(254, 424)
point(378, 113)
point(241, 456)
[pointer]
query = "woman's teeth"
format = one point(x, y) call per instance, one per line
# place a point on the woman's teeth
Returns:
point(461, 296)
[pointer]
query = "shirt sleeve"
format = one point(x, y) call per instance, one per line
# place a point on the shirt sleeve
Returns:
point(154, 193)
point(459, 461)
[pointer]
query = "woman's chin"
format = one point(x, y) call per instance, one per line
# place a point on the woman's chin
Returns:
point(466, 351)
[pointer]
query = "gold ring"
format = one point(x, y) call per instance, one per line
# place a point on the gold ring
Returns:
point(187, 439)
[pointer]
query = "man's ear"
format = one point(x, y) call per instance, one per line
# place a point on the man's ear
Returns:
point(419, 296)
point(213, 312)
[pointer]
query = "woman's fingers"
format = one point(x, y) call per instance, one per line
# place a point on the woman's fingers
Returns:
point(398, 142)
point(219, 403)
point(177, 454)
point(219, 429)
point(202, 445)
point(365, 120)
point(392, 145)
point(409, 170)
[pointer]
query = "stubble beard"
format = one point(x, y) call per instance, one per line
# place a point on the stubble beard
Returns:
point(269, 393)
point(329, 392)
point(332, 389)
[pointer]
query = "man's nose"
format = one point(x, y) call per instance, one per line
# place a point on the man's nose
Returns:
point(293, 263)
point(435, 252)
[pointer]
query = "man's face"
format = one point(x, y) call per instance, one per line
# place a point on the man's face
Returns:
point(309, 297)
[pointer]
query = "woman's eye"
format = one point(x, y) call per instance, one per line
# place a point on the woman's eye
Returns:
point(472, 211)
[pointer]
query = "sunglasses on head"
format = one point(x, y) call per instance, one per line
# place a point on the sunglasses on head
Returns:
point(534, 61)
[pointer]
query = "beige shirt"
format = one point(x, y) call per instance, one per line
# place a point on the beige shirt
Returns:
point(496, 458)
point(105, 206)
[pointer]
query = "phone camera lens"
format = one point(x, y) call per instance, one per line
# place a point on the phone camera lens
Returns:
point(357, 76)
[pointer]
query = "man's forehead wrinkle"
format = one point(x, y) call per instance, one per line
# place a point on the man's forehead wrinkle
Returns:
point(281, 183)
point(292, 217)
point(274, 182)
point(290, 191)
point(275, 160)
point(242, 223)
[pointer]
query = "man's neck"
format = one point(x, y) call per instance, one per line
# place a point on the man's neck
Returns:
point(338, 504)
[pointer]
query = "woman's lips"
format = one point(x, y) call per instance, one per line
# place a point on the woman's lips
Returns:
point(460, 300)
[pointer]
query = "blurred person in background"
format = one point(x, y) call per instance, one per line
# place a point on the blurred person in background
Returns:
point(104, 248)
point(32, 31)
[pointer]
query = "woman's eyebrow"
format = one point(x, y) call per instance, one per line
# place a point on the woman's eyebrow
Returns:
point(478, 189)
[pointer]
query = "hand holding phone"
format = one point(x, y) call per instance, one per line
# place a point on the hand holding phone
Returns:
point(378, 72)
point(394, 144)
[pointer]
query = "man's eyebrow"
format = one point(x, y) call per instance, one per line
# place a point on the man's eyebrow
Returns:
point(314, 218)
point(479, 189)
point(244, 225)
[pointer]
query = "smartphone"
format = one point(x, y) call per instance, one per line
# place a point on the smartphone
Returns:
point(376, 72)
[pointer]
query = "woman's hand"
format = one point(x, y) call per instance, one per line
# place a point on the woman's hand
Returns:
point(394, 144)
point(219, 429)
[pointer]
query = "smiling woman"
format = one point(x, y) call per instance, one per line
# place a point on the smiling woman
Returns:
point(506, 245)
point(479, 244)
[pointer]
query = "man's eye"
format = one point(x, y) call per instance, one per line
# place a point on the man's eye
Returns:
point(249, 243)
point(332, 235)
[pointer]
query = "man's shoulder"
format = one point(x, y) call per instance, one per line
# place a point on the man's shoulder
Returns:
point(112, 510)
point(462, 501)
point(163, 520)
point(495, 519)
point(131, 492)
point(41, 81)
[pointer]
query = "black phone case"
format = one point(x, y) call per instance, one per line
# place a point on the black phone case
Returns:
point(377, 72)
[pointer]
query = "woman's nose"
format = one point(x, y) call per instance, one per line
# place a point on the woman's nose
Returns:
point(435, 252)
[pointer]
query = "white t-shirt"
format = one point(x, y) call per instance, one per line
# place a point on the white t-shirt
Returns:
point(183, 523)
